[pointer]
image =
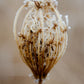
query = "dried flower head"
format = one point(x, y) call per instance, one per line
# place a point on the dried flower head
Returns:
point(42, 40)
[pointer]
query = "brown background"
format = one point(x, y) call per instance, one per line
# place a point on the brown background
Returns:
point(69, 70)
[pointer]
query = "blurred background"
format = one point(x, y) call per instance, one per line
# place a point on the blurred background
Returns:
point(69, 70)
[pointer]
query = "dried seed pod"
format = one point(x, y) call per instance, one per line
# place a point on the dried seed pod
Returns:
point(42, 40)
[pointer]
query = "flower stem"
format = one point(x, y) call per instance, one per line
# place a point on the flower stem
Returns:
point(40, 81)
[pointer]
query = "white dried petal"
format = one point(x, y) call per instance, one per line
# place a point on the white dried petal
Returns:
point(44, 64)
point(36, 81)
point(67, 20)
point(69, 27)
point(30, 75)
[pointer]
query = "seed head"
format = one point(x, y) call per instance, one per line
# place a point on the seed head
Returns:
point(42, 40)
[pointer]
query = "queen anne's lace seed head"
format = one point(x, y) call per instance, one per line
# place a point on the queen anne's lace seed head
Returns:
point(42, 40)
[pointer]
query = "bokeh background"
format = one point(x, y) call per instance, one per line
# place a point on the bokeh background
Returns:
point(69, 70)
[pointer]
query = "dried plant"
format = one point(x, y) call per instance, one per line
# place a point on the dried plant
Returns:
point(42, 40)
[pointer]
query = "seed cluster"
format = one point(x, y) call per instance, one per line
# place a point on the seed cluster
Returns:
point(43, 37)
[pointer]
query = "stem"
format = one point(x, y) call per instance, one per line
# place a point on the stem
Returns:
point(40, 81)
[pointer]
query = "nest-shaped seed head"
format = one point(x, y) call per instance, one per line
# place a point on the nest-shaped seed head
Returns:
point(42, 40)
